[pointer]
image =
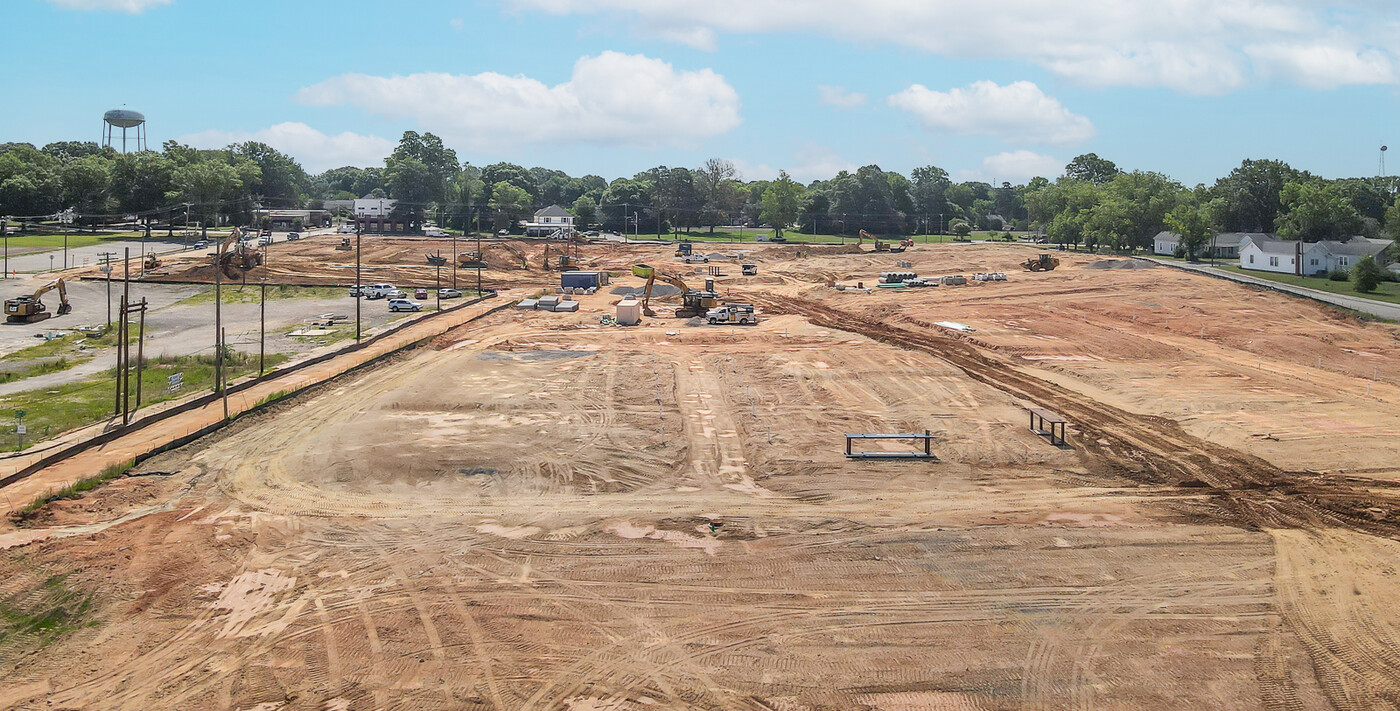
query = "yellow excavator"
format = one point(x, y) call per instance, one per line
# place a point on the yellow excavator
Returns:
point(29, 309)
point(477, 259)
point(566, 263)
point(879, 246)
point(234, 252)
point(693, 303)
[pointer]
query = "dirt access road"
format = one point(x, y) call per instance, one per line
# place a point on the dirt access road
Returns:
point(541, 513)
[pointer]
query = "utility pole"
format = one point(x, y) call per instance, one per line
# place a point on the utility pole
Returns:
point(359, 293)
point(262, 327)
point(5, 232)
point(438, 286)
point(454, 261)
point(222, 337)
point(480, 256)
point(140, 350)
point(219, 320)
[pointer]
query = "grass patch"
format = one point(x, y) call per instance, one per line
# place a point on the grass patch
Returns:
point(252, 294)
point(36, 617)
point(76, 489)
point(52, 411)
point(75, 239)
point(1388, 291)
point(43, 367)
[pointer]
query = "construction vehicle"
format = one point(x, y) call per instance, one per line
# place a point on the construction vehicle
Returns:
point(470, 260)
point(234, 252)
point(750, 269)
point(566, 263)
point(693, 302)
point(29, 309)
point(741, 314)
point(524, 262)
point(684, 249)
point(436, 260)
point(1044, 263)
point(344, 245)
point(151, 262)
point(879, 246)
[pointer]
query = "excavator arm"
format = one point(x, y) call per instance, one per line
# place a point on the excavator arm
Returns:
point(652, 275)
point(524, 262)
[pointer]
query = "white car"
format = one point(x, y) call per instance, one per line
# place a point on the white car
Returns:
point(382, 291)
point(696, 259)
point(264, 241)
point(346, 229)
point(449, 294)
point(404, 305)
point(435, 232)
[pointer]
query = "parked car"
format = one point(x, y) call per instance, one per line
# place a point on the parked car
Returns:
point(742, 314)
point(779, 239)
point(420, 293)
point(696, 259)
point(201, 244)
point(355, 290)
point(404, 305)
point(264, 241)
point(383, 291)
point(346, 229)
point(293, 236)
point(449, 294)
point(435, 232)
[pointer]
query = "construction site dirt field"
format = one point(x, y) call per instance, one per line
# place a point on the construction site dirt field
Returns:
point(541, 511)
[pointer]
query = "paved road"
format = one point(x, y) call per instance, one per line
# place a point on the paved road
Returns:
point(1355, 303)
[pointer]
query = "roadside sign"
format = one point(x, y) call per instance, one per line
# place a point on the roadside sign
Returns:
point(177, 381)
point(21, 428)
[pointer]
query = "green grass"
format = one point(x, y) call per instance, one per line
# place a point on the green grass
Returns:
point(75, 239)
point(52, 411)
point(76, 489)
point(1388, 291)
point(37, 616)
point(790, 236)
point(252, 293)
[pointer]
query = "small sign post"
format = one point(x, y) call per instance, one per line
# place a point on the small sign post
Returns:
point(19, 427)
point(177, 381)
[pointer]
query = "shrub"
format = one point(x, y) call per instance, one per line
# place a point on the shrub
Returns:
point(1368, 275)
point(1338, 275)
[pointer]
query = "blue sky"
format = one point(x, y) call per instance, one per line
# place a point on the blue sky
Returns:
point(995, 90)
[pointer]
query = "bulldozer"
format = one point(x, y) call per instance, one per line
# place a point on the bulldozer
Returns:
point(344, 245)
point(1043, 263)
point(29, 309)
point(470, 260)
point(693, 302)
point(151, 262)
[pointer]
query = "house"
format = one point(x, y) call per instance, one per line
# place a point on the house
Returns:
point(550, 220)
point(1319, 258)
point(1268, 254)
point(374, 207)
point(1225, 245)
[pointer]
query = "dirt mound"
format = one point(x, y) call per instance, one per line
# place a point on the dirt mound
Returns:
point(1122, 264)
point(657, 290)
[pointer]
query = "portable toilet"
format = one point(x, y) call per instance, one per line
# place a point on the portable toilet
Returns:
point(629, 312)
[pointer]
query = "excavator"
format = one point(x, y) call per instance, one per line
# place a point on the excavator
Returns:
point(436, 260)
point(29, 309)
point(234, 252)
point(693, 303)
point(566, 263)
point(879, 246)
point(477, 260)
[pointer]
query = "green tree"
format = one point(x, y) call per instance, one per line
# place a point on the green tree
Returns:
point(510, 204)
point(85, 184)
point(1366, 275)
point(1090, 168)
point(782, 202)
point(281, 180)
point(1250, 194)
point(585, 210)
point(1195, 225)
point(141, 180)
point(1316, 210)
point(205, 185)
point(960, 227)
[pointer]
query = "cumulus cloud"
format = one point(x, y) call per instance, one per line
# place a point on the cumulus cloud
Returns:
point(1193, 46)
point(316, 151)
point(131, 6)
point(840, 98)
point(812, 161)
point(611, 99)
point(1019, 166)
point(1018, 112)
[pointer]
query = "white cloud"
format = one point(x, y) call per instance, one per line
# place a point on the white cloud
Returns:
point(1322, 65)
point(611, 99)
point(1019, 166)
point(840, 98)
point(1193, 46)
point(316, 151)
point(810, 162)
point(1018, 112)
point(131, 6)
point(456, 23)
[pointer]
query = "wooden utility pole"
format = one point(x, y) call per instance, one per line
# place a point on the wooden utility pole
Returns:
point(359, 289)
point(121, 365)
point(140, 349)
point(223, 336)
point(262, 328)
point(219, 323)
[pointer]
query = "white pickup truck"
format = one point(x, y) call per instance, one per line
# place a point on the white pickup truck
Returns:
point(742, 314)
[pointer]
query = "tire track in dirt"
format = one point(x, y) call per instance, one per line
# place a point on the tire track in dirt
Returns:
point(1141, 447)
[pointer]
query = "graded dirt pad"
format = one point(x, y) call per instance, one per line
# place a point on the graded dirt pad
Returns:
point(542, 513)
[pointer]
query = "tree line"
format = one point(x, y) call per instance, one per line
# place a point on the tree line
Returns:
point(1092, 204)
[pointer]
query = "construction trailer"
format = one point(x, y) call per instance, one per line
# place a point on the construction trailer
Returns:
point(583, 280)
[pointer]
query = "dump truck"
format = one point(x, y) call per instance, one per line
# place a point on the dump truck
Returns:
point(29, 309)
point(1043, 263)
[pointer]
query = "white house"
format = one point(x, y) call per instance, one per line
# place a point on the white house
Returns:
point(373, 207)
point(1319, 258)
point(1264, 253)
point(550, 220)
point(1225, 245)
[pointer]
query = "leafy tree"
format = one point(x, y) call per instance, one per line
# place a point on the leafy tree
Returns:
point(1392, 221)
point(1366, 275)
point(928, 187)
point(708, 181)
point(510, 203)
point(141, 180)
point(960, 227)
point(85, 183)
point(507, 172)
point(65, 150)
point(1090, 168)
point(782, 202)
point(1195, 224)
point(585, 210)
point(281, 180)
point(1316, 210)
point(623, 197)
point(1250, 194)
point(205, 185)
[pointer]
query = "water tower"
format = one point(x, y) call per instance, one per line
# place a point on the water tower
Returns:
point(126, 120)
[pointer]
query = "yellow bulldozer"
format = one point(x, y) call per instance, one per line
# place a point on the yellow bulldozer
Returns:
point(29, 309)
point(151, 262)
point(693, 302)
point(344, 245)
point(1043, 263)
